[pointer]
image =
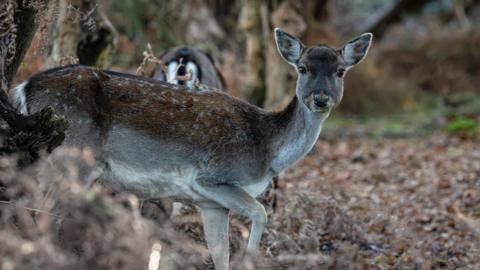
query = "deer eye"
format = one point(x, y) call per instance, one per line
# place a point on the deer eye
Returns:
point(340, 72)
point(302, 70)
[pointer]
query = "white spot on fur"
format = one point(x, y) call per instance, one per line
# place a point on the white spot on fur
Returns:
point(190, 66)
point(19, 98)
point(172, 72)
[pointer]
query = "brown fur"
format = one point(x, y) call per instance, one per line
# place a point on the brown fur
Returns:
point(197, 120)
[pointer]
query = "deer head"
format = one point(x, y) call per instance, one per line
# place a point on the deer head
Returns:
point(181, 60)
point(321, 68)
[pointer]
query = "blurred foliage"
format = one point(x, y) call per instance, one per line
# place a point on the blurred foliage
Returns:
point(466, 104)
point(141, 22)
point(462, 126)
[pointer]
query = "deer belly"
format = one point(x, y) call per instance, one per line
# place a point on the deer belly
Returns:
point(153, 183)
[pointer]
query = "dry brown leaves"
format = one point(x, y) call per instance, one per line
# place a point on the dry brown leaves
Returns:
point(351, 204)
point(401, 204)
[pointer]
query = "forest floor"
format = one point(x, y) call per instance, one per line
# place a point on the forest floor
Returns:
point(409, 203)
point(372, 204)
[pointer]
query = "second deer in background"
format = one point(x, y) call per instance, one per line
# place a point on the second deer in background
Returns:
point(180, 60)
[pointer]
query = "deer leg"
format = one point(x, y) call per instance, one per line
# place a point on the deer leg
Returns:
point(239, 201)
point(215, 227)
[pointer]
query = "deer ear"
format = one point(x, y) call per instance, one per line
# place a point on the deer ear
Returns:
point(289, 47)
point(354, 51)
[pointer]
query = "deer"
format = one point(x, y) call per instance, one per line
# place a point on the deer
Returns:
point(159, 140)
point(183, 59)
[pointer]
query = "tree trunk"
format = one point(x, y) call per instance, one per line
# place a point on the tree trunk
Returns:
point(280, 76)
point(81, 34)
point(254, 23)
point(65, 36)
point(24, 19)
point(97, 46)
point(25, 136)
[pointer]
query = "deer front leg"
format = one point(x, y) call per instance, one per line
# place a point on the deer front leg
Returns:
point(215, 227)
point(239, 201)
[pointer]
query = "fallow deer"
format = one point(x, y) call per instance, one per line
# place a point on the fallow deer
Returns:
point(179, 60)
point(207, 147)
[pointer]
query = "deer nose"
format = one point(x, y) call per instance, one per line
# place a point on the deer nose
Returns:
point(321, 101)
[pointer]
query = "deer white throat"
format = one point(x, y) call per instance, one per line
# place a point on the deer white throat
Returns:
point(297, 138)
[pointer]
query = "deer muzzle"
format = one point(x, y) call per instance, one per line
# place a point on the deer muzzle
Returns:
point(319, 103)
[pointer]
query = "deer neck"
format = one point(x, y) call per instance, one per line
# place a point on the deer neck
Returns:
point(296, 130)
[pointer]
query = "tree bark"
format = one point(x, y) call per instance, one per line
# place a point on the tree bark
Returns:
point(81, 34)
point(24, 19)
point(65, 36)
point(280, 76)
point(254, 22)
point(25, 136)
point(96, 46)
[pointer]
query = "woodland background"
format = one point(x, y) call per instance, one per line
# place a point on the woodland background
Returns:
point(393, 182)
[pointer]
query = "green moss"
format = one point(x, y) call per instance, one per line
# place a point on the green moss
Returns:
point(462, 125)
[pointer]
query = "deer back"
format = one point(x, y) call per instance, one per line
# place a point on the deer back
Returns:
point(111, 111)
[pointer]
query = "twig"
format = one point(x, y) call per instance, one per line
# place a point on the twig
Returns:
point(84, 17)
point(180, 64)
point(187, 77)
point(35, 210)
point(149, 57)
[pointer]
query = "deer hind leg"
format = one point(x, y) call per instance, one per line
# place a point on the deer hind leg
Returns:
point(215, 227)
point(239, 201)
